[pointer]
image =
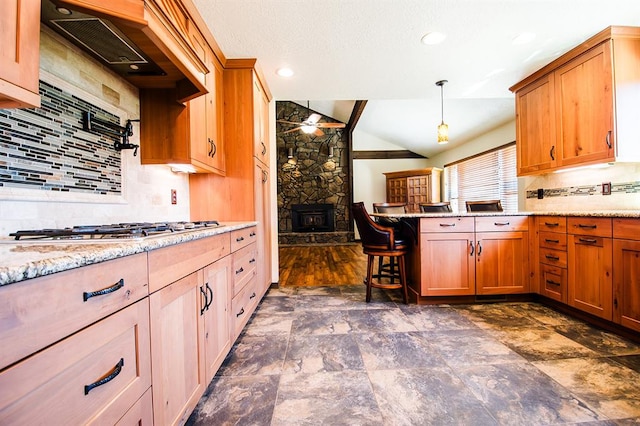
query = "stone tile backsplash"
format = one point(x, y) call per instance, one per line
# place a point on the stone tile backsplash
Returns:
point(46, 148)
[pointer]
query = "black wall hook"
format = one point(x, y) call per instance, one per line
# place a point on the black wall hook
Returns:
point(89, 121)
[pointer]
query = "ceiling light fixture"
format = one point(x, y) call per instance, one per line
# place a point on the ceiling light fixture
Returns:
point(433, 38)
point(443, 129)
point(285, 72)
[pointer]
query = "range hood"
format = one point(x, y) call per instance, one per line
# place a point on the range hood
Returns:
point(137, 43)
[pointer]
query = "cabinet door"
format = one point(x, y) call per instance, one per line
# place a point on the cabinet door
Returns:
point(177, 357)
point(589, 272)
point(396, 190)
point(264, 229)
point(447, 264)
point(214, 309)
point(553, 282)
point(626, 280)
point(535, 127)
point(20, 53)
point(418, 191)
point(584, 108)
point(502, 262)
point(261, 122)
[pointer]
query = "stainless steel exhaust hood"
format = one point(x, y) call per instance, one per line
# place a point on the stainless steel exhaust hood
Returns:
point(116, 43)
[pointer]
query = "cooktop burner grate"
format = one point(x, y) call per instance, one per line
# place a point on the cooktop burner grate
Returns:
point(113, 231)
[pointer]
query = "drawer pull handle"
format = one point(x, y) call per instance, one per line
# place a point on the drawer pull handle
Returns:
point(552, 224)
point(239, 239)
point(587, 240)
point(264, 148)
point(551, 241)
point(551, 257)
point(106, 379)
point(252, 295)
point(472, 249)
point(240, 313)
point(479, 249)
point(240, 270)
point(552, 282)
point(252, 261)
point(501, 223)
point(587, 226)
point(447, 224)
point(117, 286)
point(253, 234)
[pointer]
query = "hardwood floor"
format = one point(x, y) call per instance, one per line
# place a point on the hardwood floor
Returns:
point(307, 266)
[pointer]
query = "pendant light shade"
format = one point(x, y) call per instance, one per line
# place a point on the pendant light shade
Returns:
point(443, 129)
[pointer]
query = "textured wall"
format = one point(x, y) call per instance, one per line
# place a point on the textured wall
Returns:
point(312, 176)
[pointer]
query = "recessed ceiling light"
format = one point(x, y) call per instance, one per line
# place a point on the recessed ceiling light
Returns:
point(523, 38)
point(433, 38)
point(284, 72)
point(63, 11)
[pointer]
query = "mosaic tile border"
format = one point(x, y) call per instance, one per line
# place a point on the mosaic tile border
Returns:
point(46, 148)
point(571, 191)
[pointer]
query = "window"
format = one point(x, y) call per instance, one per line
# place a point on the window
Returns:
point(487, 176)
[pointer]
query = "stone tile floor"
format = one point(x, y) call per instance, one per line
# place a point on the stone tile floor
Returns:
point(322, 356)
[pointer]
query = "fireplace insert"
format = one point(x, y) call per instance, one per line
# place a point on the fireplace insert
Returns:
point(312, 218)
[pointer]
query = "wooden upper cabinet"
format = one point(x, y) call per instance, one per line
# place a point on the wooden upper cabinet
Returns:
point(581, 108)
point(584, 106)
point(20, 53)
point(414, 187)
point(535, 127)
point(261, 125)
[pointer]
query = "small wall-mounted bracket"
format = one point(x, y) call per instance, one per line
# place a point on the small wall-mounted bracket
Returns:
point(89, 121)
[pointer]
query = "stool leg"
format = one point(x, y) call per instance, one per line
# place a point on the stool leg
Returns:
point(403, 280)
point(369, 277)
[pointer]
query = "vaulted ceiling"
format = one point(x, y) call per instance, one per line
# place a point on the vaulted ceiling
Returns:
point(346, 50)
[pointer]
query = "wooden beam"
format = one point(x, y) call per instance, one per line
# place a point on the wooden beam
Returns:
point(358, 108)
point(385, 155)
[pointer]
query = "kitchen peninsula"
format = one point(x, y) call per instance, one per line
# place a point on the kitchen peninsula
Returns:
point(586, 262)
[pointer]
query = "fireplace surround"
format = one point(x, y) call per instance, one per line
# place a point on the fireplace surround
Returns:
point(312, 218)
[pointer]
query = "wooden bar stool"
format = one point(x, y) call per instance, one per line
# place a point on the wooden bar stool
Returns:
point(484, 206)
point(381, 241)
point(389, 270)
point(443, 207)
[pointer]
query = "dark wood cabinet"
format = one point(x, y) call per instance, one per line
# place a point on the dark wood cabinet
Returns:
point(414, 187)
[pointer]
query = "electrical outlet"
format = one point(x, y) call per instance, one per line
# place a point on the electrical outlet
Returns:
point(174, 197)
point(540, 193)
point(606, 188)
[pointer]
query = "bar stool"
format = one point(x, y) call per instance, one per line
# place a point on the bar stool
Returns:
point(391, 268)
point(443, 207)
point(380, 241)
point(484, 206)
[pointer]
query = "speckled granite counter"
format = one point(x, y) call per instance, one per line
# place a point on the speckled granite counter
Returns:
point(22, 260)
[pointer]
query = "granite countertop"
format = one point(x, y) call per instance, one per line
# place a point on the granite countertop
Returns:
point(22, 260)
point(609, 213)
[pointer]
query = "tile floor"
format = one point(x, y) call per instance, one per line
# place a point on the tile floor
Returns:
point(322, 356)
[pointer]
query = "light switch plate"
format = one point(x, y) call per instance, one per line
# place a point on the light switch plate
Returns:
point(606, 188)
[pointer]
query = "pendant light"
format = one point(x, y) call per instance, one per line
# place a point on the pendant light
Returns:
point(443, 129)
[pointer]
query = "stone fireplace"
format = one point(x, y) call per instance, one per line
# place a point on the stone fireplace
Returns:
point(313, 182)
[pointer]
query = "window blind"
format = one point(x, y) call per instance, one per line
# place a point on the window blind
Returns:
point(487, 176)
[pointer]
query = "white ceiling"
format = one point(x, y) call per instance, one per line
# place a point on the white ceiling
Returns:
point(347, 50)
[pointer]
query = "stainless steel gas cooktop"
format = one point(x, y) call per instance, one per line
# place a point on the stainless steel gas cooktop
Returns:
point(116, 231)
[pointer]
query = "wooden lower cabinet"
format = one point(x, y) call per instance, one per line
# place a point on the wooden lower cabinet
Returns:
point(553, 282)
point(177, 330)
point(590, 265)
point(448, 264)
point(94, 376)
point(626, 273)
point(502, 262)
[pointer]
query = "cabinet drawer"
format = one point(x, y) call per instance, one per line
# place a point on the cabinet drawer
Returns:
point(626, 228)
point(552, 223)
point(244, 266)
point(596, 226)
point(553, 257)
point(38, 312)
point(169, 264)
point(242, 238)
point(553, 240)
point(242, 306)
point(502, 223)
point(447, 224)
point(96, 374)
point(553, 282)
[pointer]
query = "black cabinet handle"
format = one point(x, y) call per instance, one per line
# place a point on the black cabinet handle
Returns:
point(447, 224)
point(265, 177)
point(552, 224)
point(264, 148)
point(240, 270)
point(240, 313)
point(479, 249)
point(552, 152)
point(252, 295)
point(608, 139)
point(252, 234)
point(210, 290)
point(501, 223)
point(582, 226)
point(252, 260)
point(239, 239)
point(588, 240)
point(551, 257)
point(107, 378)
point(551, 241)
point(553, 282)
point(117, 286)
point(214, 149)
point(206, 302)
point(472, 249)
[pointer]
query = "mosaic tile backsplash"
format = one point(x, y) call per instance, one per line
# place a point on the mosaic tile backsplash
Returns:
point(46, 148)
point(570, 191)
